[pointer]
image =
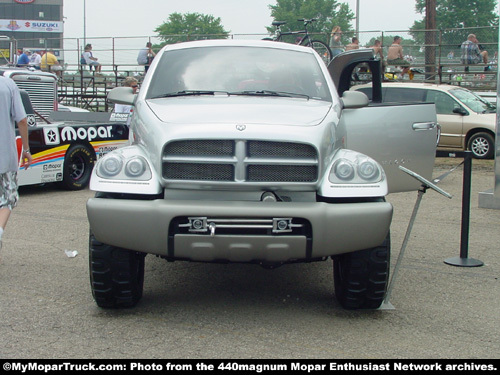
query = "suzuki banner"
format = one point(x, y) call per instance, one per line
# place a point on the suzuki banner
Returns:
point(32, 26)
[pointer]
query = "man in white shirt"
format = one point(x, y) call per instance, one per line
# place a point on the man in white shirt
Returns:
point(146, 56)
point(11, 111)
point(35, 60)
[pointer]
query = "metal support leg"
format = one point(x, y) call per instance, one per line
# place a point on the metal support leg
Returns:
point(386, 305)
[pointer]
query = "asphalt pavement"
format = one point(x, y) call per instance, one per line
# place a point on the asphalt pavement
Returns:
point(194, 310)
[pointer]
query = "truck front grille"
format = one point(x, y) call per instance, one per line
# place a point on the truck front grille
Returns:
point(41, 90)
point(240, 161)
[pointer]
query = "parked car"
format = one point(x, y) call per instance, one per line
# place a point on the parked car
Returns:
point(467, 120)
point(254, 152)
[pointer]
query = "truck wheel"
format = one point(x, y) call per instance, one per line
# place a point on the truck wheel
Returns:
point(78, 164)
point(116, 275)
point(482, 146)
point(361, 277)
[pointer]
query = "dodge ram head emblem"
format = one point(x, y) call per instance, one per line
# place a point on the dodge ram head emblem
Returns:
point(241, 127)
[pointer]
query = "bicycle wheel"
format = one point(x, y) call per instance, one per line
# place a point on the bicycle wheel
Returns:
point(323, 50)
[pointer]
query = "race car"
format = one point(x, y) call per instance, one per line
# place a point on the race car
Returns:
point(65, 152)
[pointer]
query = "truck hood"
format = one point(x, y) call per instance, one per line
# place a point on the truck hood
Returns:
point(237, 109)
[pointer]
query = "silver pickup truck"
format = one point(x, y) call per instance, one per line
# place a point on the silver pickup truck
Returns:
point(257, 152)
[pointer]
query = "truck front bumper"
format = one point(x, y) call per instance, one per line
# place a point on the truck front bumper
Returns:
point(150, 227)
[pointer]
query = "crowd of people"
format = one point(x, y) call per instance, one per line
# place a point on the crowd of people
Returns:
point(471, 52)
point(47, 60)
point(39, 60)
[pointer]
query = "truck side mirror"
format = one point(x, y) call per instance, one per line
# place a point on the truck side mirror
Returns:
point(122, 95)
point(354, 99)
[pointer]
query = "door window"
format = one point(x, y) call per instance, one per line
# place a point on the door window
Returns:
point(401, 95)
point(445, 104)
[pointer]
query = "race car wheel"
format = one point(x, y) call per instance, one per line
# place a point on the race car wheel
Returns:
point(482, 146)
point(116, 275)
point(361, 277)
point(78, 164)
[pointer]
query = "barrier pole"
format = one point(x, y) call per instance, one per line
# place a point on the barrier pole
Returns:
point(463, 260)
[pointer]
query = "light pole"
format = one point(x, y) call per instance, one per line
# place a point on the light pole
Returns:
point(84, 22)
point(357, 18)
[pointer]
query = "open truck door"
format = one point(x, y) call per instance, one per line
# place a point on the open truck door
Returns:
point(392, 134)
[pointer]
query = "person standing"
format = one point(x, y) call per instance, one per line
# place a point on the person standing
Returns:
point(146, 56)
point(378, 52)
point(336, 41)
point(124, 108)
point(11, 111)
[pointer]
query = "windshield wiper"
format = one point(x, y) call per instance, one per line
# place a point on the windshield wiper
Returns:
point(185, 93)
point(269, 93)
point(490, 110)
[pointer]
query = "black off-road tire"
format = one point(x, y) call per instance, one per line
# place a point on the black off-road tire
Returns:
point(482, 145)
point(116, 275)
point(78, 164)
point(361, 277)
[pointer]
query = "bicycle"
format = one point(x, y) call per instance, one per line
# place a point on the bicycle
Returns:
point(320, 47)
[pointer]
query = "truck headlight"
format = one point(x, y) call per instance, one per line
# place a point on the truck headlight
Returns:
point(110, 166)
point(135, 167)
point(117, 166)
point(368, 170)
point(344, 169)
point(354, 168)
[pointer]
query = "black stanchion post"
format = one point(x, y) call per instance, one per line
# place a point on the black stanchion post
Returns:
point(463, 260)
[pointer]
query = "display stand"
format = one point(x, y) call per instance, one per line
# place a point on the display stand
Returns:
point(386, 305)
point(463, 260)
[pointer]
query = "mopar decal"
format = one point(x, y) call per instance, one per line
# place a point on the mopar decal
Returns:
point(51, 135)
point(50, 167)
point(103, 150)
point(119, 117)
point(31, 120)
point(71, 134)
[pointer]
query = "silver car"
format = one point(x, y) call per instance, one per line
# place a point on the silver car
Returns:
point(257, 152)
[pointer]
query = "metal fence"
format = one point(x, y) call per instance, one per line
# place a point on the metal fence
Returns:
point(419, 46)
point(436, 52)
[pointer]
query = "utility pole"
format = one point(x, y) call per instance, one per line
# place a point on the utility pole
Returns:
point(430, 39)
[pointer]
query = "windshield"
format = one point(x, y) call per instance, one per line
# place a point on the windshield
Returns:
point(236, 70)
point(473, 101)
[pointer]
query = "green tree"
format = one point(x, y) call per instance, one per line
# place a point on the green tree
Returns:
point(329, 13)
point(461, 13)
point(458, 18)
point(190, 26)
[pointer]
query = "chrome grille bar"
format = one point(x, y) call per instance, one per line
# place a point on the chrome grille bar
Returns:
point(240, 161)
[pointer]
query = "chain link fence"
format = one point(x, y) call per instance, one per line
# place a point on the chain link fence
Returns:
point(434, 54)
point(424, 47)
